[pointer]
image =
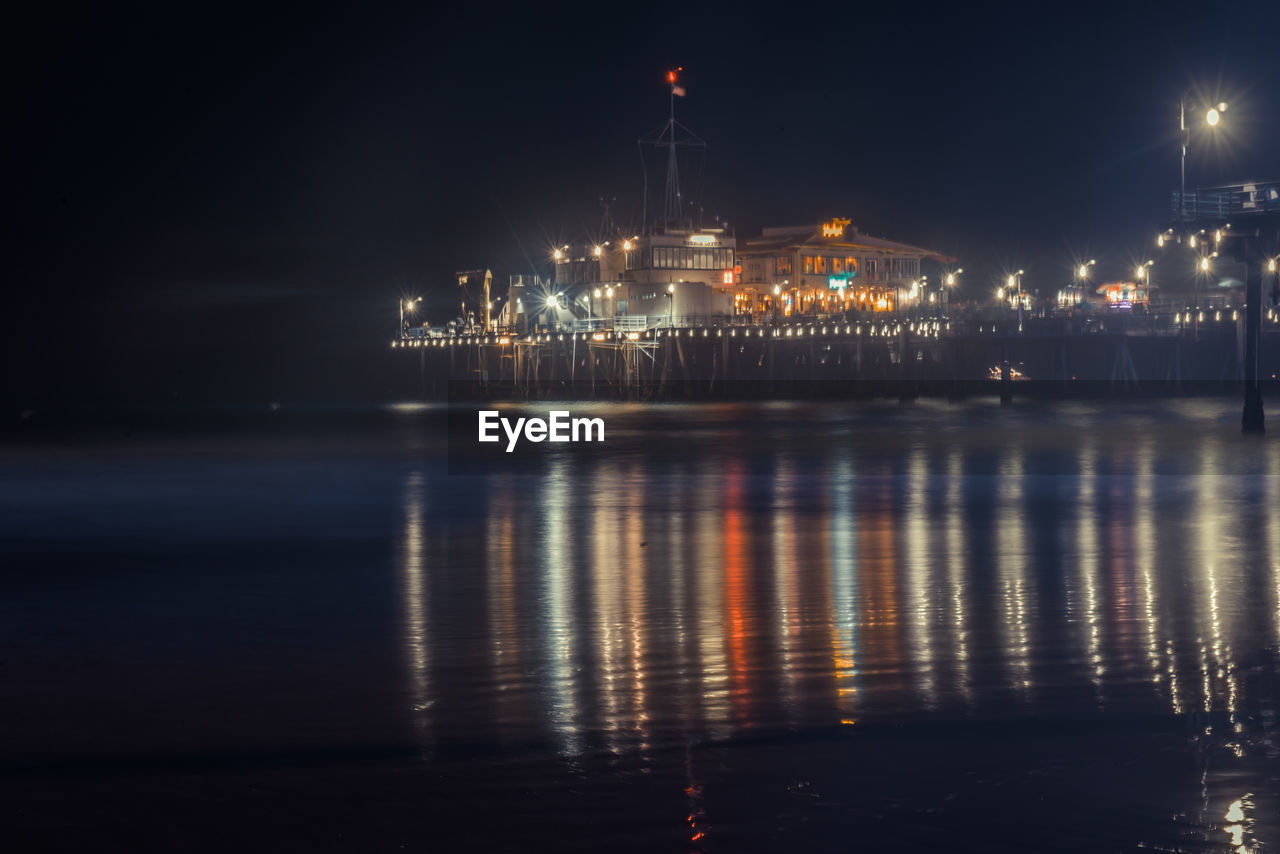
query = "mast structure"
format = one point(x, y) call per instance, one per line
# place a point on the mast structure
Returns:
point(671, 201)
point(670, 136)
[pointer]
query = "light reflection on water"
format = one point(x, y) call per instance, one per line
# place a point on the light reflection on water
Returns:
point(632, 605)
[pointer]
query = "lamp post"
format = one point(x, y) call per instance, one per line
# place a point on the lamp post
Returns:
point(1212, 117)
point(1275, 283)
point(777, 295)
point(950, 280)
point(553, 310)
point(1204, 269)
point(1015, 280)
point(1144, 276)
point(671, 305)
point(1082, 273)
point(494, 303)
point(406, 305)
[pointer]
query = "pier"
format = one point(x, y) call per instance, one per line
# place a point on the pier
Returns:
point(1178, 353)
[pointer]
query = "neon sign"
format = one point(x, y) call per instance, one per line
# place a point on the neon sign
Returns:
point(839, 283)
point(835, 228)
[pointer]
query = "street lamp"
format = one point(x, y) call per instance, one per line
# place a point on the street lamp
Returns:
point(493, 303)
point(671, 305)
point(1212, 117)
point(1275, 282)
point(1082, 274)
point(1204, 268)
point(950, 280)
point(1015, 280)
point(406, 305)
point(1144, 276)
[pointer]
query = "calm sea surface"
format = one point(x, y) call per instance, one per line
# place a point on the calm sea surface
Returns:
point(833, 627)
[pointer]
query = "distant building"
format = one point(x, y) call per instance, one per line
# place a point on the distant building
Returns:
point(1124, 295)
point(666, 275)
point(827, 268)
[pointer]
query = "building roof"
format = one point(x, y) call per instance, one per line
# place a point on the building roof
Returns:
point(772, 239)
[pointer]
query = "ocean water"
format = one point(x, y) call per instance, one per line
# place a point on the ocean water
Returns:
point(736, 627)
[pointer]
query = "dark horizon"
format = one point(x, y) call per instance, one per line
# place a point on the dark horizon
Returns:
point(227, 207)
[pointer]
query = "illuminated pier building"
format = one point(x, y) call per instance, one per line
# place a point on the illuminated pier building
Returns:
point(830, 267)
point(667, 274)
point(677, 272)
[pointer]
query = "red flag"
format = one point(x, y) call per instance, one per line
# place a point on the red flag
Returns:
point(671, 78)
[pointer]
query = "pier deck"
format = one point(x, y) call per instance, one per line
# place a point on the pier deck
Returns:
point(905, 356)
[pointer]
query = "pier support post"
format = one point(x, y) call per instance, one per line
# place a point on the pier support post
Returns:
point(1252, 421)
point(1006, 380)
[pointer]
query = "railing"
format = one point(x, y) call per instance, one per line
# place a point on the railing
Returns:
point(1221, 203)
point(631, 323)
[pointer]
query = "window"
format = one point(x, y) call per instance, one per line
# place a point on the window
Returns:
point(820, 265)
point(806, 265)
point(873, 274)
point(692, 258)
point(837, 266)
point(782, 265)
point(851, 266)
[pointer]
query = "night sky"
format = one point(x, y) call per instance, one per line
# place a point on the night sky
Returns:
point(225, 205)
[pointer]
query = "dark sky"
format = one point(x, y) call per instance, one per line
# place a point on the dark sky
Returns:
point(226, 204)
